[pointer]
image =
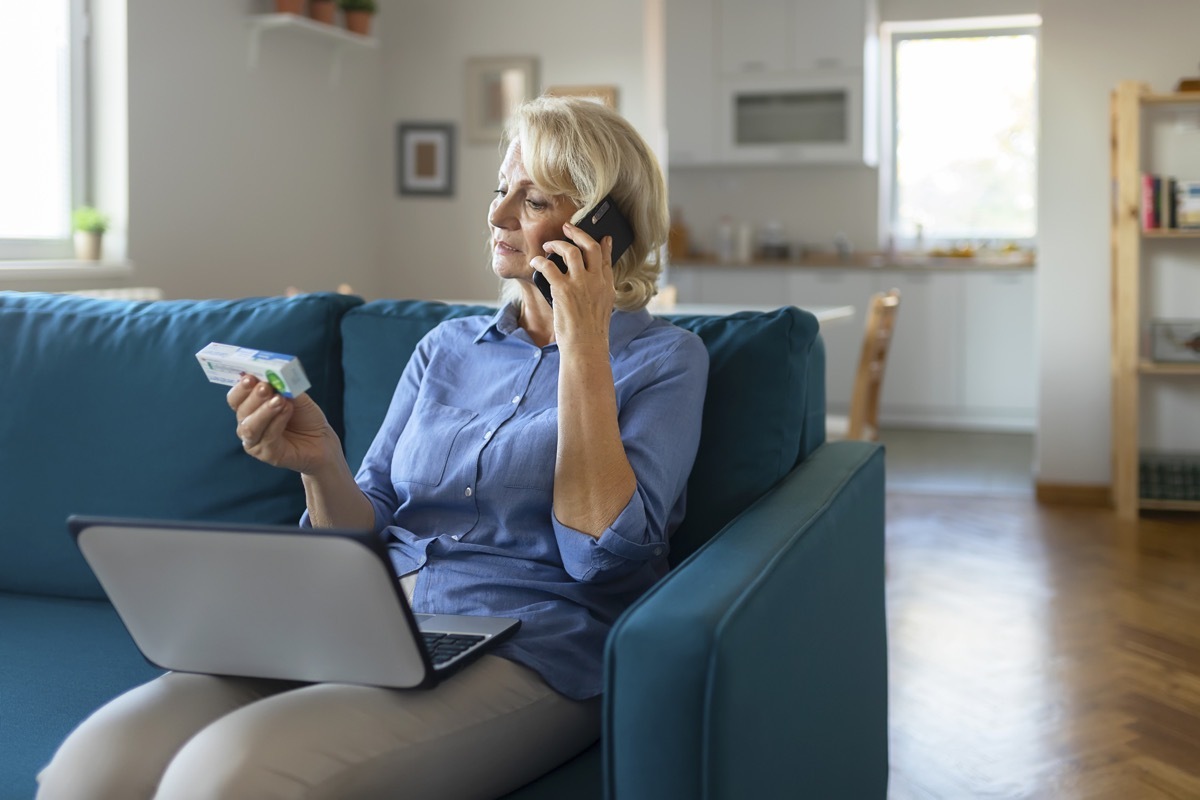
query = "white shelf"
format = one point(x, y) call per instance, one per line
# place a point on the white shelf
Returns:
point(340, 39)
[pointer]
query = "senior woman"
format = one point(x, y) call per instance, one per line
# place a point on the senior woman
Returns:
point(531, 464)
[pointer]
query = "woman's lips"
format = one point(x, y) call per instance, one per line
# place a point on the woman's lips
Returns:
point(503, 249)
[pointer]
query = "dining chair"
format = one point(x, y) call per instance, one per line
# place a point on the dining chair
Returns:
point(863, 420)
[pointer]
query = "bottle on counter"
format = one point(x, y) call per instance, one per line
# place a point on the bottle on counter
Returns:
point(744, 245)
point(725, 242)
point(677, 237)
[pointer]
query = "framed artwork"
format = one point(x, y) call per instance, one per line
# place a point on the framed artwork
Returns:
point(494, 88)
point(605, 94)
point(425, 158)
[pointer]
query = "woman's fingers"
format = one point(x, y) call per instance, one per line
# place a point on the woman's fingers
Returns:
point(266, 425)
point(252, 428)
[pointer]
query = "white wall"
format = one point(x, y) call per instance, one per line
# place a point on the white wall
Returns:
point(1088, 46)
point(244, 182)
point(437, 247)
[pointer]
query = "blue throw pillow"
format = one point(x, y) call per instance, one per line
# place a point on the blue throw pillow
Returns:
point(107, 411)
point(755, 414)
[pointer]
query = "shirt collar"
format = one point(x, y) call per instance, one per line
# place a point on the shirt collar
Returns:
point(623, 329)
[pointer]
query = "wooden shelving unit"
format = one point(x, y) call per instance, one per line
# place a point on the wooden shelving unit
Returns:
point(1130, 102)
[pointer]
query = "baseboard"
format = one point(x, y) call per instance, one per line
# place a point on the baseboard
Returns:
point(1074, 494)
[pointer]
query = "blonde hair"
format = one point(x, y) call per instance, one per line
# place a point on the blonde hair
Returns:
point(584, 150)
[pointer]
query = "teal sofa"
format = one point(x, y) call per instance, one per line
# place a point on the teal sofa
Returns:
point(756, 669)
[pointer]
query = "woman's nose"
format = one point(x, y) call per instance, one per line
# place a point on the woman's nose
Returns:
point(500, 214)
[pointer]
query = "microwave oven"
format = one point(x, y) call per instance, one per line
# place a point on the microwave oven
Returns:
point(799, 119)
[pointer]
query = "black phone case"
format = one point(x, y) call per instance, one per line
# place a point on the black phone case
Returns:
point(603, 220)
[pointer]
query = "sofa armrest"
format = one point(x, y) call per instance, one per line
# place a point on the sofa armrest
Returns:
point(758, 667)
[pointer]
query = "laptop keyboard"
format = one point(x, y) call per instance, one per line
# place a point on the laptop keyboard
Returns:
point(443, 647)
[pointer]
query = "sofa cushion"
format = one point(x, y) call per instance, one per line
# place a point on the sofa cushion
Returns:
point(62, 659)
point(107, 411)
point(765, 375)
point(762, 378)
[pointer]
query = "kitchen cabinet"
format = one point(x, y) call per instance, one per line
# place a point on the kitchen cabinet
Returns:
point(998, 334)
point(963, 352)
point(690, 95)
point(771, 82)
point(923, 380)
point(832, 35)
point(755, 36)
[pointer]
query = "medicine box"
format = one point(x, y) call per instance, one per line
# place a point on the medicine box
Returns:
point(226, 363)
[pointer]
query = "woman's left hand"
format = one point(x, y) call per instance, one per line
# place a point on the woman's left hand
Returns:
point(585, 293)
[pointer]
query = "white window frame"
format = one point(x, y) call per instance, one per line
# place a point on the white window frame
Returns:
point(890, 34)
point(79, 21)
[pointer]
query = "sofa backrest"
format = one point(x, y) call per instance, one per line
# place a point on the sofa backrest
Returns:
point(106, 411)
point(764, 410)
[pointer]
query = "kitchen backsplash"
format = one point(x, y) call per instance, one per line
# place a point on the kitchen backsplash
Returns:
point(810, 205)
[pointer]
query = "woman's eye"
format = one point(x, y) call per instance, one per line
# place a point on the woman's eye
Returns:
point(501, 192)
point(537, 205)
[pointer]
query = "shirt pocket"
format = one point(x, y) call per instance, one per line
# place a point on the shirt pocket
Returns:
point(424, 447)
point(530, 450)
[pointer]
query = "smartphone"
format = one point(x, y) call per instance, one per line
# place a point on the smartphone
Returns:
point(603, 220)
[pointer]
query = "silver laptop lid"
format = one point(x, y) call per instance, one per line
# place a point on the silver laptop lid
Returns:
point(286, 603)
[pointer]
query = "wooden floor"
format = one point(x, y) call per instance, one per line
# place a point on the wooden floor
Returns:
point(1040, 652)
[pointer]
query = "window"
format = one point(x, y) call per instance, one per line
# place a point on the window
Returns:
point(963, 149)
point(42, 143)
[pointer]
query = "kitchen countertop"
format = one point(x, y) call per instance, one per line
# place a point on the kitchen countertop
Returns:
point(1013, 261)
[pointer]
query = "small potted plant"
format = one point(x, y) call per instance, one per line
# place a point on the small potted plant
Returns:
point(290, 7)
point(358, 14)
point(89, 225)
point(324, 11)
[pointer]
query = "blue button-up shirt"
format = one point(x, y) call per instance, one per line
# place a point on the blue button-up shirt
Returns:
point(461, 478)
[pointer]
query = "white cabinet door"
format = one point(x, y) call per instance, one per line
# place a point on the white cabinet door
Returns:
point(829, 35)
point(752, 286)
point(755, 36)
point(999, 374)
point(922, 378)
point(690, 73)
point(843, 337)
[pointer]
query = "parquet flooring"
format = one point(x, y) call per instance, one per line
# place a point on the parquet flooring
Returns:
point(1041, 652)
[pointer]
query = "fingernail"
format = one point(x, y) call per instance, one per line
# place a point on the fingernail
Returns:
point(277, 402)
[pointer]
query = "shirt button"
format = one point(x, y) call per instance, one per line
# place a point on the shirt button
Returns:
point(487, 436)
point(455, 537)
point(516, 399)
point(468, 492)
point(658, 551)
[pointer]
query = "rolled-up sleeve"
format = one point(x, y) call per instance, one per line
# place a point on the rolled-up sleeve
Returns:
point(660, 430)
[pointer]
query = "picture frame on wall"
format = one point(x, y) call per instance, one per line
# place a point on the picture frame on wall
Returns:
point(605, 94)
point(495, 86)
point(425, 158)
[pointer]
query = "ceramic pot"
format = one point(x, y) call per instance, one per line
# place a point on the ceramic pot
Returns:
point(323, 11)
point(359, 22)
point(290, 7)
point(88, 245)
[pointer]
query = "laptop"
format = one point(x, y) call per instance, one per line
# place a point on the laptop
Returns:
point(290, 603)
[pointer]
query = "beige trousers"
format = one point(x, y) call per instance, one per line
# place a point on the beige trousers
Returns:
point(488, 729)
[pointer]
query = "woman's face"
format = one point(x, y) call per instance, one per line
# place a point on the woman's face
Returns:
point(521, 218)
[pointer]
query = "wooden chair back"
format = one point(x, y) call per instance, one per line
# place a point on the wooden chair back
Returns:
point(868, 380)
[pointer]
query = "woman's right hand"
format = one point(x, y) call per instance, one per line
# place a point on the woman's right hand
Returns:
point(290, 433)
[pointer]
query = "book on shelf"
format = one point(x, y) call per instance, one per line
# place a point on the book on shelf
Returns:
point(1169, 203)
